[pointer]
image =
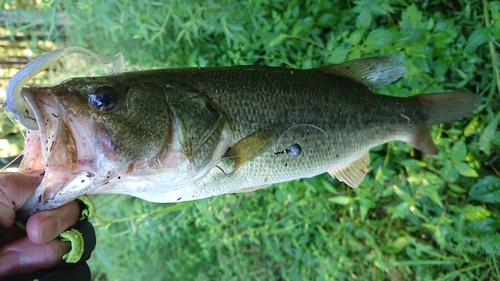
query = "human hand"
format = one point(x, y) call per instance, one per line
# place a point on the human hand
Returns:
point(37, 247)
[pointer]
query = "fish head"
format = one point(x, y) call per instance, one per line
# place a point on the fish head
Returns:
point(115, 134)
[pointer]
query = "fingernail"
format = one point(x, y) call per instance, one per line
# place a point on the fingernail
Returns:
point(49, 229)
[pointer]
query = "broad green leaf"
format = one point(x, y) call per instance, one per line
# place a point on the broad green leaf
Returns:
point(440, 69)
point(421, 64)
point(401, 210)
point(491, 244)
point(412, 164)
point(432, 179)
point(388, 192)
point(458, 151)
point(326, 19)
point(473, 127)
point(404, 195)
point(409, 35)
point(494, 7)
point(398, 245)
point(465, 170)
point(487, 190)
point(486, 226)
point(476, 213)
point(456, 188)
point(495, 12)
point(365, 204)
point(496, 138)
point(448, 172)
point(379, 38)
point(328, 186)
point(430, 191)
point(477, 38)
point(277, 40)
point(364, 19)
point(414, 210)
point(429, 226)
point(438, 235)
point(413, 14)
point(355, 37)
point(341, 200)
point(487, 135)
point(339, 55)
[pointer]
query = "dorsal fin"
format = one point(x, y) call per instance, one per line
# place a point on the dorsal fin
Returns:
point(353, 173)
point(374, 72)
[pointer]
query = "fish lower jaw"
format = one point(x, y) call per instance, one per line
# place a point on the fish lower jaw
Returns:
point(56, 190)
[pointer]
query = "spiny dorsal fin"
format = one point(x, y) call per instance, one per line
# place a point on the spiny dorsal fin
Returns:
point(374, 72)
point(353, 173)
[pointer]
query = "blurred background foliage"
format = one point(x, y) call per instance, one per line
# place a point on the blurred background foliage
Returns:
point(415, 217)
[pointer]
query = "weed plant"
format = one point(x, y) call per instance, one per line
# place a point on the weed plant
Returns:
point(414, 217)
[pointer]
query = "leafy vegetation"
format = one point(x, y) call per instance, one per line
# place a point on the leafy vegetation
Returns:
point(415, 217)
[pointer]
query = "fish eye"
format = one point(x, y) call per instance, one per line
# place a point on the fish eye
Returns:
point(104, 98)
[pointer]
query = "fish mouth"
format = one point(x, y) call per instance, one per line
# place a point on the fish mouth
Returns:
point(56, 150)
point(53, 132)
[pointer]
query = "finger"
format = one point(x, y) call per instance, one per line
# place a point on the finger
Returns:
point(47, 225)
point(24, 256)
point(11, 234)
point(15, 189)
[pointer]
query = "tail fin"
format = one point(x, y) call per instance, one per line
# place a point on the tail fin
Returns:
point(447, 107)
point(442, 108)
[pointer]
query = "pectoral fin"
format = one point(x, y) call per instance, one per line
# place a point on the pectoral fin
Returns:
point(353, 173)
point(250, 147)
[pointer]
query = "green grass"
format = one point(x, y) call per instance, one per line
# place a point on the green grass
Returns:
point(414, 217)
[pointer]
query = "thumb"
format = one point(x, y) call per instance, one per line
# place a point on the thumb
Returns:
point(15, 189)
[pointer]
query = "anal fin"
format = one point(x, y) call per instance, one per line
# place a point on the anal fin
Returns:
point(353, 173)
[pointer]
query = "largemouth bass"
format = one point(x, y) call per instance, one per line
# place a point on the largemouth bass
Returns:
point(171, 135)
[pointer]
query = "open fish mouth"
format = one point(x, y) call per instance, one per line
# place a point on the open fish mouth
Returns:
point(53, 132)
point(59, 151)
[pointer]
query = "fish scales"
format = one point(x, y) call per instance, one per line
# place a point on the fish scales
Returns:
point(171, 135)
point(337, 119)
